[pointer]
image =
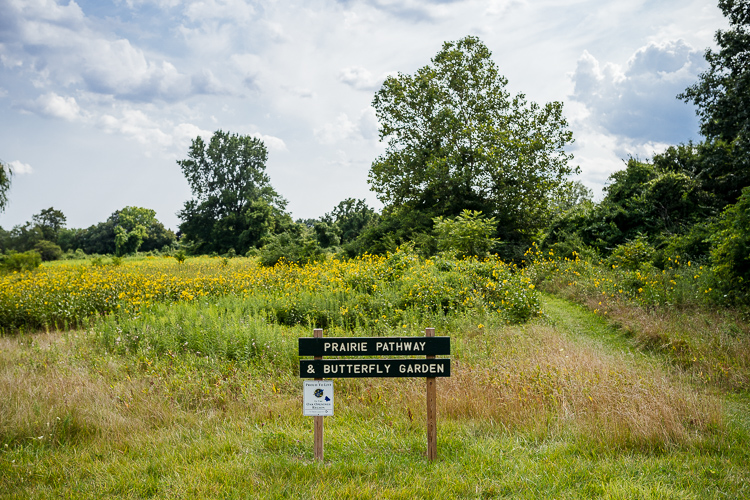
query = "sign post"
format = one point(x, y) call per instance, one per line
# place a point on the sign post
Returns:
point(430, 368)
point(318, 421)
point(431, 408)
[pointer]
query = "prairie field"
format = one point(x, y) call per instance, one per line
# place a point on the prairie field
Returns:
point(149, 378)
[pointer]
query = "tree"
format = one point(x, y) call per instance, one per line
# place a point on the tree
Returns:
point(351, 217)
point(131, 228)
point(456, 140)
point(722, 93)
point(722, 99)
point(5, 175)
point(653, 200)
point(50, 222)
point(227, 177)
point(128, 225)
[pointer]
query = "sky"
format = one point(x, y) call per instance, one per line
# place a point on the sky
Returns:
point(99, 99)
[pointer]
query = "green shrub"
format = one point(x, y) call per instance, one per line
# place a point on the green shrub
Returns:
point(26, 261)
point(288, 248)
point(730, 253)
point(468, 235)
point(632, 255)
point(48, 250)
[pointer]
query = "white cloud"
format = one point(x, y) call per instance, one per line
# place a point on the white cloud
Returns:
point(19, 168)
point(638, 101)
point(59, 45)
point(343, 128)
point(271, 142)
point(340, 129)
point(203, 11)
point(56, 106)
point(184, 133)
point(360, 78)
point(136, 125)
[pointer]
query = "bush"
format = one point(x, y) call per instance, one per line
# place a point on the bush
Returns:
point(468, 235)
point(77, 255)
point(286, 247)
point(48, 250)
point(633, 254)
point(730, 253)
point(26, 261)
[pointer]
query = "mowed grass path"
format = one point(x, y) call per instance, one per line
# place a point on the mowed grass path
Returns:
point(564, 407)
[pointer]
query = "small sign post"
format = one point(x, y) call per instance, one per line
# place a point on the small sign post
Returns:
point(430, 368)
point(431, 408)
point(318, 421)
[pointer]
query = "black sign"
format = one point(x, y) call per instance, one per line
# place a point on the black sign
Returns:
point(351, 368)
point(374, 346)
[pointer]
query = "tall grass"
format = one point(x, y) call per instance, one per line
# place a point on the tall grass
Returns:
point(659, 309)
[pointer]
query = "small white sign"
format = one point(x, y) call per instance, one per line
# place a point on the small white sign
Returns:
point(317, 398)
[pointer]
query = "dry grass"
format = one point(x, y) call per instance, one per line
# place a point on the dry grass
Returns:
point(48, 398)
point(524, 379)
point(535, 380)
point(713, 346)
point(55, 391)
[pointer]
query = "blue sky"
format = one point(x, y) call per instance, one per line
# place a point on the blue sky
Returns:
point(99, 99)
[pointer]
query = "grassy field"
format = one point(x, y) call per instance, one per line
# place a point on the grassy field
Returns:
point(200, 398)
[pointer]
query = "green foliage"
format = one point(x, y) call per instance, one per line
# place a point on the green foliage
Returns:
point(17, 262)
point(23, 237)
point(633, 254)
point(50, 222)
point(457, 140)
point(131, 228)
point(298, 247)
point(693, 245)
point(48, 250)
point(328, 235)
point(397, 226)
point(569, 195)
point(349, 218)
point(5, 175)
point(722, 93)
point(234, 205)
point(466, 235)
point(722, 100)
point(653, 200)
point(730, 253)
point(180, 256)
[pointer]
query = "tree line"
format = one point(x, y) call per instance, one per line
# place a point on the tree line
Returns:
point(470, 169)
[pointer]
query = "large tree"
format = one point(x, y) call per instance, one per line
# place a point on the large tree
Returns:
point(131, 228)
point(50, 221)
point(722, 99)
point(457, 140)
point(722, 93)
point(234, 205)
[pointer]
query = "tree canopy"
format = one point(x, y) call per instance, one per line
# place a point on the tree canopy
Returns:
point(131, 228)
point(457, 140)
point(50, 221)
point(722, 99)
point(234, 205)
point(722, 93)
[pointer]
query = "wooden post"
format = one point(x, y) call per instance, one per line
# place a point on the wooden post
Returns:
point(318, 421)
point(431, 409)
